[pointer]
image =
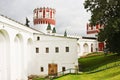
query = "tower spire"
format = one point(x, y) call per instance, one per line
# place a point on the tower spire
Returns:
point(49, 28)
point(27, 22)
point(54, 30)
point(65, 33)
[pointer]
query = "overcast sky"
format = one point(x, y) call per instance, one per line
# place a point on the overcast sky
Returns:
point(70, 14)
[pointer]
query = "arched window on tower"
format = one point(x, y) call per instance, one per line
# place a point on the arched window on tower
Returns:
point(44, 13)
point(41, 22)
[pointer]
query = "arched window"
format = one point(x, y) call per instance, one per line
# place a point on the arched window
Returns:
point(43, 22)
point(86, 48)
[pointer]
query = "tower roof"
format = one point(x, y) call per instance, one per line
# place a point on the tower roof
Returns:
point(48, 27)
point(54, 30)
point(65, 33)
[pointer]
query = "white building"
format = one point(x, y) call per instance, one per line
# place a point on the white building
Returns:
point(59, 52)
point(25, 51)
point(44, 16)
point(86, 46)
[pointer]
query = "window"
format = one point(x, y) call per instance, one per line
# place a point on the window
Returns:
point(67, 49)
point(37, 50)
point(56, 49)
point(41, 69)
point(41, 22)
point(38, 38)
point(47, 50)
point(63, 69)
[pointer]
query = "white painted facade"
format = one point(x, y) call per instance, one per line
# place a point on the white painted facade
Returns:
point(61, 58)
point(24, 51)
point(14, 41)
point(18, 57)
point(86, 46)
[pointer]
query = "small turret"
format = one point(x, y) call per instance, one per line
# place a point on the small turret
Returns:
point(54, 31)
point(65, 34)
point(27, 22)
point(49, 30)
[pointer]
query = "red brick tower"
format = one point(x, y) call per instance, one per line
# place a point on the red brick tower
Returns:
point(43, 17)
point(94, 30)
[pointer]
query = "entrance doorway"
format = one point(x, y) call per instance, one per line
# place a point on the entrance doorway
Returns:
point(52, 69)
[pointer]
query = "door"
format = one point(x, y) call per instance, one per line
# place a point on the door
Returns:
point(52, 69)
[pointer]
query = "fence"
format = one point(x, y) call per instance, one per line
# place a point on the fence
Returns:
point(68, 71)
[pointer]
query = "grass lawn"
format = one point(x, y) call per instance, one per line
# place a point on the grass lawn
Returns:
point(109, 74)
point(95, 62)
point(39, 79)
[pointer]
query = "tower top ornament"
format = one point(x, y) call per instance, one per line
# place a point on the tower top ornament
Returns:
point(27, 22)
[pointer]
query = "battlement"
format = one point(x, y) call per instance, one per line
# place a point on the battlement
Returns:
point(94, 29)
point(44, 16)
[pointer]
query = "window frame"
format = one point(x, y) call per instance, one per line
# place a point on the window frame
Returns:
point(37, 49)
point(56, 49)
point(38, 38)
point(41, 69)
point(47, 49)
point(63, 68)
point(67, 49)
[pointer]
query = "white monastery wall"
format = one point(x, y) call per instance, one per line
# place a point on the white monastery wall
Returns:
point(86, 46)
point(13, 48)
point(61, 58)
point(19, 58)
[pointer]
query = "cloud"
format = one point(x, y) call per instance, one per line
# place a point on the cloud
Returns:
point(70, 14)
